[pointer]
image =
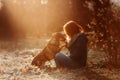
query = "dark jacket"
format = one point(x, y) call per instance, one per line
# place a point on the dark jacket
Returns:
point(78, 49)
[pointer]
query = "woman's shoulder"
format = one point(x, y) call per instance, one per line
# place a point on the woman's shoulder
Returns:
point(78, 38)
point(82, 36)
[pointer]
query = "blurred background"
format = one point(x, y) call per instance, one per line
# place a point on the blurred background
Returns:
point(33, 17)
point(28, 24)
point(37, 17)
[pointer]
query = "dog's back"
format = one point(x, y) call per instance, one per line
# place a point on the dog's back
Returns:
point(49, 51)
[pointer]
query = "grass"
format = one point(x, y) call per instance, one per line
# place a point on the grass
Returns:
point(16, 57)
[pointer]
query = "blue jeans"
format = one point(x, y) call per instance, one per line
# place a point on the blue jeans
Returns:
point(62, 60)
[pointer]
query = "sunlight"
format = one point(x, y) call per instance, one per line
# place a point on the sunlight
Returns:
point(24, 2)
point(37, 16)
point(1, 5)
point(14, 1)
point(44, 1)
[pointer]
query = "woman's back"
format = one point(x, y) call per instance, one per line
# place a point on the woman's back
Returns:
point(78, 49)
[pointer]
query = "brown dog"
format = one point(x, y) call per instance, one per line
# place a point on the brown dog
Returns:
point(50, 50)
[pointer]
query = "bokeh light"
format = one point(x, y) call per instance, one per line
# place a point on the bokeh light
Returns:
point(37, 16)
point(44, 1)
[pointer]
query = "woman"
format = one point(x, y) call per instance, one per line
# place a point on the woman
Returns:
point(77, 46)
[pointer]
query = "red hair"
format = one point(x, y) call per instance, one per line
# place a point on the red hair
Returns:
point(71, 28)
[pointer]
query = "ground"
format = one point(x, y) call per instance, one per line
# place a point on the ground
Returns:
point(16, 57)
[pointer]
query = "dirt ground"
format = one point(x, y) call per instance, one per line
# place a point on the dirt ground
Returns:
point(16, 57)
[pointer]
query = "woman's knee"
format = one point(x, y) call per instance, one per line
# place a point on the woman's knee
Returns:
point(58, 55)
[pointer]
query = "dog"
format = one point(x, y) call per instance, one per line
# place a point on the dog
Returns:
point(50, 50)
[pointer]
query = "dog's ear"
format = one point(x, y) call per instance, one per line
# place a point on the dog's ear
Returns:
point(62, 36)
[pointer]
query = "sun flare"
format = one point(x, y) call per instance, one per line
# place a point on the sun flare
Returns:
point(44, 1)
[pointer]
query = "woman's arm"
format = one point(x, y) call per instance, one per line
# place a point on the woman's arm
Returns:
point(63, 45)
